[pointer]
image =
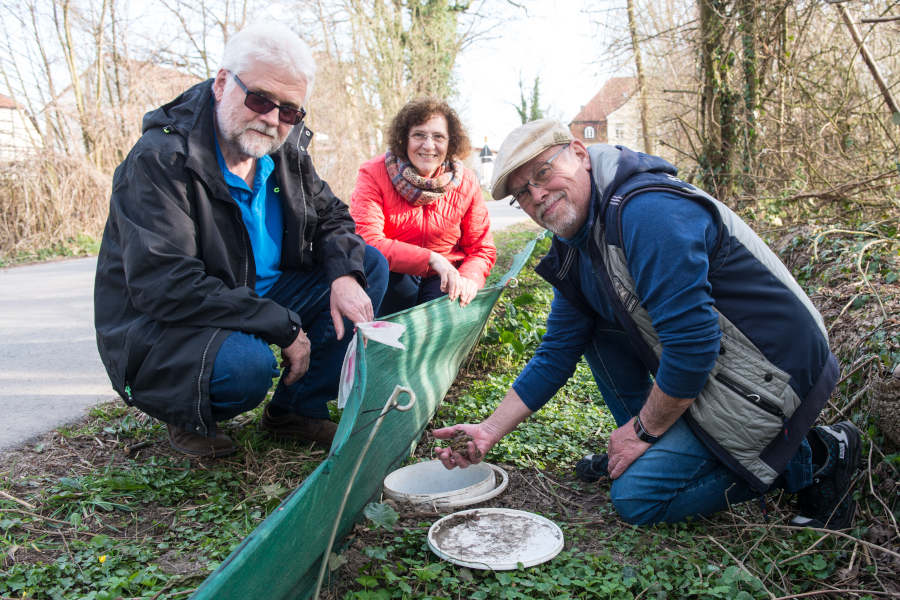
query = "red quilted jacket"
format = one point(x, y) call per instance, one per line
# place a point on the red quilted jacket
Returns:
point(456, 226)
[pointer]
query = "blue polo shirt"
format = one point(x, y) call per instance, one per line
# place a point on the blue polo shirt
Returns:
point(261, 212)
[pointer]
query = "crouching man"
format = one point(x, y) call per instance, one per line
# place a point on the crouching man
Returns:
point(221, 240)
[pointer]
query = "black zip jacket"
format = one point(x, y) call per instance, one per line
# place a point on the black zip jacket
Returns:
point(175, 273)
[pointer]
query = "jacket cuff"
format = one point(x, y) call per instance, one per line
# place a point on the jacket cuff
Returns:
point(292, 331)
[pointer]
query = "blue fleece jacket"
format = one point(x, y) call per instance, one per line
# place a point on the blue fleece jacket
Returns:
point(667, 242)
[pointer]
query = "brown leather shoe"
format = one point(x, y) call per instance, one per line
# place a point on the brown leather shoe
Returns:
point(198, 445)
point(298, 427)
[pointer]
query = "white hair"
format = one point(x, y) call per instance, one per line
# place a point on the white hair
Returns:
point(272, 44)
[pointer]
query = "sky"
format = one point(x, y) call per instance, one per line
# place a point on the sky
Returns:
point(557, 42)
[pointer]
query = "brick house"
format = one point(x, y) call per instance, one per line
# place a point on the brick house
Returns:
point(612, 116)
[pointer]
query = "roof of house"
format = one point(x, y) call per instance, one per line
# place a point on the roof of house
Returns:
point(7, 102)
point(614, 93)
point(146, 82)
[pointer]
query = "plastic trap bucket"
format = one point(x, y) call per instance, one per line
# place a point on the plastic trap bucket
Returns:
point(429, 483)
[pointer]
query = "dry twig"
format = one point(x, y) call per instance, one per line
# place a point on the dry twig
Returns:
point(17, 500)
point(887, 510)
point(738, 562)
point(832, 591)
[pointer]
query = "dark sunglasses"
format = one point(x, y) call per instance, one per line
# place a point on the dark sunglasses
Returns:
point(262, 105)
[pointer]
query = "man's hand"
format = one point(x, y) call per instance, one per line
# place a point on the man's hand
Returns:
point(624, 448)
point(349, 299)
point(450, 278)
point(295, 359)
point(504, 419)
point(659, 412)
point(483, 439)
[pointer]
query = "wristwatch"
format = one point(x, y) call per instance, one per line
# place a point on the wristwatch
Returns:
point(642, 433)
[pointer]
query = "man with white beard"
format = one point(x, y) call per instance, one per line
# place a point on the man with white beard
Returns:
point(221, 240)
point(710, 357)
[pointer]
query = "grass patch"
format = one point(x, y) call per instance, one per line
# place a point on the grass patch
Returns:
point(104, 509)
point(74, 247)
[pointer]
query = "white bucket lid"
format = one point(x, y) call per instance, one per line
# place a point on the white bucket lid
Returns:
point(498, 539)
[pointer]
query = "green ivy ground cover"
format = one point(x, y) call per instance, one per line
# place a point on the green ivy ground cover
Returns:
point(104, 509)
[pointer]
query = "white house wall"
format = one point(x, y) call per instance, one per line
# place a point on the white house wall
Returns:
point(623, 125)
point(18, 137)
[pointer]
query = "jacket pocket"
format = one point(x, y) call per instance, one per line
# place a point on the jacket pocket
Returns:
point(754, 397)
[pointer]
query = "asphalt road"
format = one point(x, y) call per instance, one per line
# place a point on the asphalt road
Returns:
point(50, 372)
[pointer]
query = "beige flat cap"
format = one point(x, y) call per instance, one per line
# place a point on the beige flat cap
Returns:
point(523, 144)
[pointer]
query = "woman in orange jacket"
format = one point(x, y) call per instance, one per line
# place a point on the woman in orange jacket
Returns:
point(423, 209)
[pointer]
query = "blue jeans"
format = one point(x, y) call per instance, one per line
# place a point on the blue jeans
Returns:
point(245, 365)
point(678, 476)
point(405, 291)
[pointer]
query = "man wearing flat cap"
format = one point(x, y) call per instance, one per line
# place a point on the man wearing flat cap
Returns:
point(710, 357)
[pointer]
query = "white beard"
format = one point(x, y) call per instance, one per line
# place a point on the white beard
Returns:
point(564, 219)
point(241, 137)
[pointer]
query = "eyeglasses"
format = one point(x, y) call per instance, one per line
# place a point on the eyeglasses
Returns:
point(262, 105)
point(539, 178)
point(420, 136)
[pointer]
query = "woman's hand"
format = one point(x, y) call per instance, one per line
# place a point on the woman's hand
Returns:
point(467, 290)
point(450, 278)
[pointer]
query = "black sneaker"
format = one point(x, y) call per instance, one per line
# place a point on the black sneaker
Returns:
point(828, 502)
point(592, 467)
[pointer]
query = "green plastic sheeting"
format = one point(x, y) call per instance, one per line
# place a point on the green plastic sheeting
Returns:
point(281, 558)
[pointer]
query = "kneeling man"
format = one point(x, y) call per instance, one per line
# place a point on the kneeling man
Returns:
point(652, 276)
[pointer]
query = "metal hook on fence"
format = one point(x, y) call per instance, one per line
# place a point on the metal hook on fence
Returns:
point(384, 411)
point(390, 405)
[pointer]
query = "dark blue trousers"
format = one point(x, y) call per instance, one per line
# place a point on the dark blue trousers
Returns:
point(245, 365)
point(405, 291)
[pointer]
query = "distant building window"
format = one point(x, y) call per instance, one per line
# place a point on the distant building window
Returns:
point(589, 133)
point(620, 131)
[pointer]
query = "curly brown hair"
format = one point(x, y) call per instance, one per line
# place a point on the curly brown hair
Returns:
point(416, 112)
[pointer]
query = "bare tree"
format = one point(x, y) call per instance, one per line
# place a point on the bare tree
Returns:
point(755, 98)
point(374, 56)
point(205, 26)
point(641, 82)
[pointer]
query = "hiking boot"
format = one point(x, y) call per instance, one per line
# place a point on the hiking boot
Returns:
point(592, 467)
point(828, 502)
point(198, 445)
point(297, 427)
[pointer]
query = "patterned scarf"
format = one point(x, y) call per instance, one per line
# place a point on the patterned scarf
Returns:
point(418, 190)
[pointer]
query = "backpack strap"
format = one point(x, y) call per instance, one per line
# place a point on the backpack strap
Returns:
point(612, 211)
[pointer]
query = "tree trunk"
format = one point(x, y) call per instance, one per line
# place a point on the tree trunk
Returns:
point(64, 33)
point(642, 88)
point(717, 123)
point(749, 31)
